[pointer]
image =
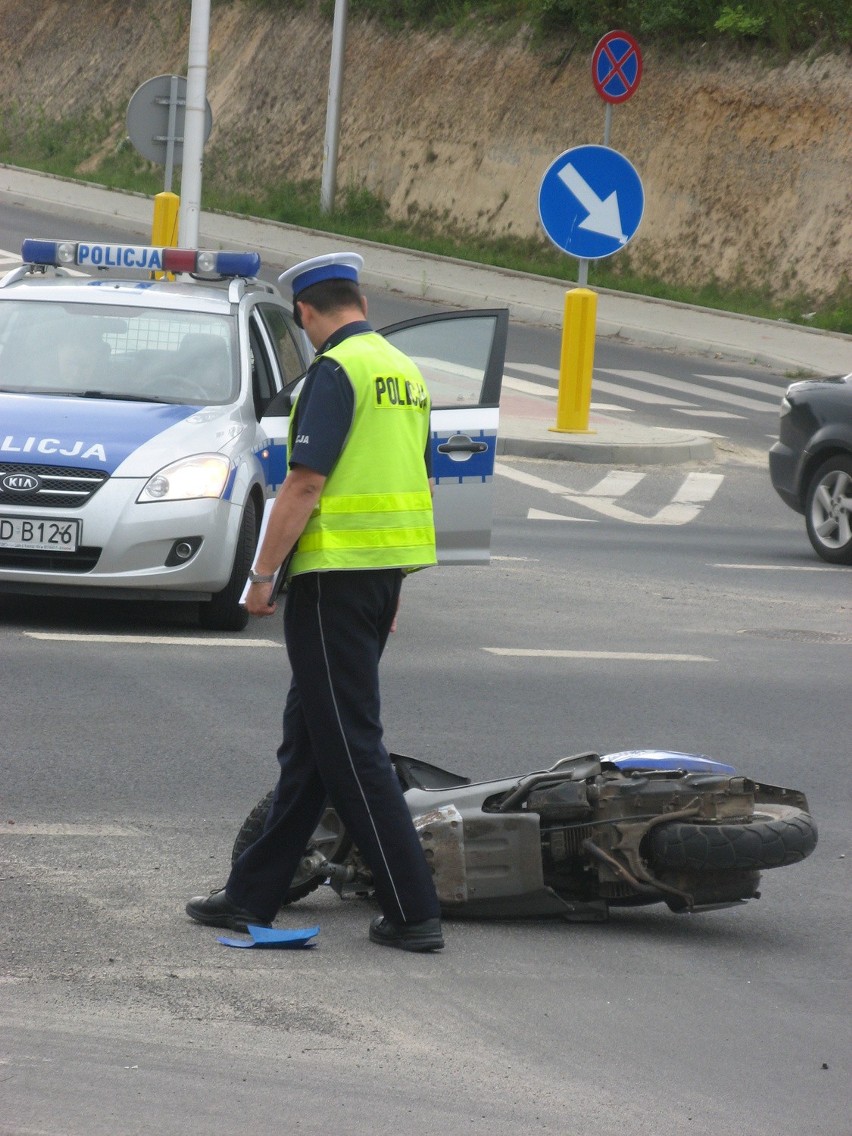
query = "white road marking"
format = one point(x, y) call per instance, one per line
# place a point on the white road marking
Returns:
point(36, 829)
point(542, 391)
point(784, 567)
point(738, 381)
point(695, 390)
point(742, 383)
point(615, 484)
point(675, 513)
point(157, 640)
point(699, 487)
point(536, 369)
point(708, 413)
point(530, 479)
point(696, 490)
point(628, 656)
point(637, 395)
point(526, 387)
point(541, 515)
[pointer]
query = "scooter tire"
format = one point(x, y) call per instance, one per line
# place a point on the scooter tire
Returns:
point(776, 836)
point(330, 836)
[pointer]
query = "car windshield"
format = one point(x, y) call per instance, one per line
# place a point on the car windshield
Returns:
point(118, 352)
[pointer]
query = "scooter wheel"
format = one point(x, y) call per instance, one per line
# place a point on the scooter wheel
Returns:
point(776, 836)
point(330, 838)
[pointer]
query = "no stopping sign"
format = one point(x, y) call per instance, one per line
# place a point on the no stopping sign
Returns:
point(616, 66)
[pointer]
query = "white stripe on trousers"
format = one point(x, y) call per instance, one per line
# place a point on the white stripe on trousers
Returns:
point(348, 752)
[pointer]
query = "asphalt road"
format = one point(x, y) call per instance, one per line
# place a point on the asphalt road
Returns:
point(128, 766)
point(131, 751)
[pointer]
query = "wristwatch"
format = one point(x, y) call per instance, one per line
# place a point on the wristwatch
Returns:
point(260, 577)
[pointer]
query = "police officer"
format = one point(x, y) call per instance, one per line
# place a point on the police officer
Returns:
point(357, 506)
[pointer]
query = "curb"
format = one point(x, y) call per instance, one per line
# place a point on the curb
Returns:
point(677, 449)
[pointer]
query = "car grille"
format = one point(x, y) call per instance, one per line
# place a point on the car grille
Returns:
point(60, 487)
point(83, 560)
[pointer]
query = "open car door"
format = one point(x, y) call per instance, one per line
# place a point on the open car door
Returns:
point(461, 357)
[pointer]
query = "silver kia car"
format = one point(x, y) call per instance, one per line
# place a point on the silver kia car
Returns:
point(144, 404)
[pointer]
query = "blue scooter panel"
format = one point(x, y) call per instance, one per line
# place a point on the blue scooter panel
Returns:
point(648, 759)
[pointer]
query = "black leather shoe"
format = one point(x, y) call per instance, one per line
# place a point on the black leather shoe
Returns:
point(425, 936)
point(217, 910)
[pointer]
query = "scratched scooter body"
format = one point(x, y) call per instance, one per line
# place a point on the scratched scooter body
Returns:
point(575, 840)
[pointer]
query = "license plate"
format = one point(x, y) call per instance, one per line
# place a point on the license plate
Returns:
point(39, 534)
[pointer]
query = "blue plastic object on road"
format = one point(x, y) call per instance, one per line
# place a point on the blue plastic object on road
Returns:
point(270, 937)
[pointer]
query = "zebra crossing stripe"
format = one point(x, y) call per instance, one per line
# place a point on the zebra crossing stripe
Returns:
point(634, 394)
point(774, 390)
point(694, 390)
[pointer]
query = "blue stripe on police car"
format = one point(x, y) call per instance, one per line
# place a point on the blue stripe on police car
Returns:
point(82, 434)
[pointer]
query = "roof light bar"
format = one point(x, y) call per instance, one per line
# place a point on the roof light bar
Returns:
point(146, 257)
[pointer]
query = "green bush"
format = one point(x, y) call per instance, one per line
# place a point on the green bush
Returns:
point(780, 24)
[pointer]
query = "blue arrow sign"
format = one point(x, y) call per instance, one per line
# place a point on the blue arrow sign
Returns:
point(590, 202)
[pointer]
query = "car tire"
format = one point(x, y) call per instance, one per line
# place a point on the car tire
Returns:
point(828, 510)
point(224, 612)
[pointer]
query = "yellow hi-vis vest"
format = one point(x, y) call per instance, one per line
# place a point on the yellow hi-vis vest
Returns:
point(375, 510)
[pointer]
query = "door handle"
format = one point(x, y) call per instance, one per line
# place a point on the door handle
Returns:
point(461, 444)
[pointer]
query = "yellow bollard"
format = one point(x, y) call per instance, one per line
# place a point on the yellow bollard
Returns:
point(575, 362)
point(164, 228)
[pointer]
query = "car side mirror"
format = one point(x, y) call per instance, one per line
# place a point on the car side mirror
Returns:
point(280, 405)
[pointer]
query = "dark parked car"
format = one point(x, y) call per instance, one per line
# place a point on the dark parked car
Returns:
point(811, 463)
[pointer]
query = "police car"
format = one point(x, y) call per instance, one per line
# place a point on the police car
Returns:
point(144, 403)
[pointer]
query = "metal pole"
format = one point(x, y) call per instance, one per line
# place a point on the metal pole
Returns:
point(607, 123)
point(332, 120)
point(193, 131)
point(170, 133)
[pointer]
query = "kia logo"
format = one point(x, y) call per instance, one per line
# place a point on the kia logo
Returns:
point(20, 483)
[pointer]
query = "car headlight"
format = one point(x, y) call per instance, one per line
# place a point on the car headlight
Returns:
point(205, 475)
point(785, 408)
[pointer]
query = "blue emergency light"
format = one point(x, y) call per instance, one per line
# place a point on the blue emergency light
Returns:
point(150, 259)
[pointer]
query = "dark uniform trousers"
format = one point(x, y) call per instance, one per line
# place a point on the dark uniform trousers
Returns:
point(336, 625)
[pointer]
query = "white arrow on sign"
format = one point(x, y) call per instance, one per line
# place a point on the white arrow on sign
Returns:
point(604, 217)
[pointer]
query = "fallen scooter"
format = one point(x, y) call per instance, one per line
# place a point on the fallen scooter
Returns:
point(588, 834)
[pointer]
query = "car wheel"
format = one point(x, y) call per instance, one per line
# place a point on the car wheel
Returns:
point(828, 510)
point(224, 612)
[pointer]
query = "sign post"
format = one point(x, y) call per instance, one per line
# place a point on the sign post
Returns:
point(155, 125)
point(332, 117)
point(616, 71)
point(590, 203)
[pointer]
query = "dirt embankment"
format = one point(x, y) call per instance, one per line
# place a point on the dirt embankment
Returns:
point(747, 167)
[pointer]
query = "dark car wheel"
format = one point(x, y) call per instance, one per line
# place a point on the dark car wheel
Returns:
point(224, 611)
point(828, 510)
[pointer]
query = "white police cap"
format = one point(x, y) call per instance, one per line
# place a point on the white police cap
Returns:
point(332, 266)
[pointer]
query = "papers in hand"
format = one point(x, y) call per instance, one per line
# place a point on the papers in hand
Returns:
point(281, 575)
